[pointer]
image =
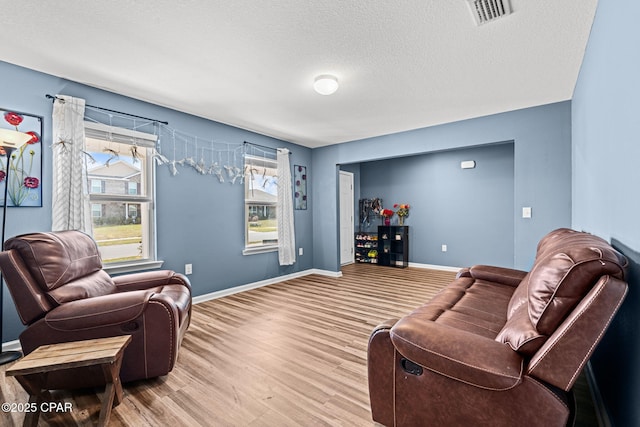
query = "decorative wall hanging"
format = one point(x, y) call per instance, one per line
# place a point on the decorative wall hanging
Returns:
point(223, 160)
point(300, 187)
point(174, 149)
point(25, 180)
point(177, 150)
point(369, 210)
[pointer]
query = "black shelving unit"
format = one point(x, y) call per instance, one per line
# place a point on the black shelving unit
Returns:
point(366, 247)
point(393, 245)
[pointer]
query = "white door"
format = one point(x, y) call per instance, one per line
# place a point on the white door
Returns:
point(346, 217)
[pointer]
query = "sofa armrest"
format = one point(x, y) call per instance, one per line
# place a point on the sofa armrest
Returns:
point(457, 354)
point(502, 275)
point(150, 279)
point(385, 325)
point(463, 272)
point(106, 310)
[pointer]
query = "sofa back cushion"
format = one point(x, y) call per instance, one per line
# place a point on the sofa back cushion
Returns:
point(63, 258)
point(568, 264)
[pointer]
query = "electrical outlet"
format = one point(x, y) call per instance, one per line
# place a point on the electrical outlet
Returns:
point(188, 268)
point(300, 251)
point(444, 248)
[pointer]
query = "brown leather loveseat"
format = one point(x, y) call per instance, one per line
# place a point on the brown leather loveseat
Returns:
point(62, 294)
point(499, 347)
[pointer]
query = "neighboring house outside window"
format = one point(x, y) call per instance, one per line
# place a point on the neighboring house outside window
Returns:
point(121, 193)
point(261, 194)
point(118, 178)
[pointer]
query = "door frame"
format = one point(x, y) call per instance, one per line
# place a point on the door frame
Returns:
point(350, 211)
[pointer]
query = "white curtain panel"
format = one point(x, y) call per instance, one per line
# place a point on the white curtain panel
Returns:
point(284, 211)
point(70, 200)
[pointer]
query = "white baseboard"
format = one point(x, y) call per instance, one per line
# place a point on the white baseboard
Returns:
point(261, 283)
point(323, 272)
point(12, 346)
point(435, 267)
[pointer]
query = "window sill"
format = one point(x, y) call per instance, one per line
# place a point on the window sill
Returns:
point(259, 250)
point(132, 267)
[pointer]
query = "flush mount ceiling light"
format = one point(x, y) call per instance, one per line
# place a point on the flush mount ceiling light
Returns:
point(325, 84)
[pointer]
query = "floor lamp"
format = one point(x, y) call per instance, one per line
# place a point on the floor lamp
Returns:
point(10, 140)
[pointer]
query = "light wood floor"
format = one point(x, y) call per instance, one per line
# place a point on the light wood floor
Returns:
point(289, 354)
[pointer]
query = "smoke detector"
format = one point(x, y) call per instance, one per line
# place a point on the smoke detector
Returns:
point(484, 11)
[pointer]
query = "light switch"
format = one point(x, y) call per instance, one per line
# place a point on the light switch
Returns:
point(526, 212)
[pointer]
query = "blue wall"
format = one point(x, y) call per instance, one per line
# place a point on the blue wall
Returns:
point(469, 210)
point(542, 172)
point(199, 220)
point(606, 177)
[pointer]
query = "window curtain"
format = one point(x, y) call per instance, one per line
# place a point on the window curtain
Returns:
point(284, 210)
point(70, 200)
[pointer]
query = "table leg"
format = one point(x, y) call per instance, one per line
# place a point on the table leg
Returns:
point(33, 385)
point(31, 418)
point(113, 390)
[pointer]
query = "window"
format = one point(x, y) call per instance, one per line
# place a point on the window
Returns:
point(261, 194)
point(97, 186)
point(96, 210)
point(132, 187)
point(121, 176)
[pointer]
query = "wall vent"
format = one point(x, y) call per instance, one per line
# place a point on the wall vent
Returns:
point(484, 11)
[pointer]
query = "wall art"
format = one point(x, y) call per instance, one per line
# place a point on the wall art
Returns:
point(25, 174)
point(300, 187)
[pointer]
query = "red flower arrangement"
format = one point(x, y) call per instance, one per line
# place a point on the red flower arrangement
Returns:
point(387, 213)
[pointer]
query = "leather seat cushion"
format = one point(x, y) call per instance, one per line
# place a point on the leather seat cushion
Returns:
point(471, 305)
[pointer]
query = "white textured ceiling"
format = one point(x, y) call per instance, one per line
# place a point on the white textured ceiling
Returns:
point(402, 64)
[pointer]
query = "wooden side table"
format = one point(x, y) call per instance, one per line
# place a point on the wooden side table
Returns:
point(32, 370)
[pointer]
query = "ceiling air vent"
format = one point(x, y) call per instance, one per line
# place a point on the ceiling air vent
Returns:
point(484, 11)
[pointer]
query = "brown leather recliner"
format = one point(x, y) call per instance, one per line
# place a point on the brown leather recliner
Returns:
point(497, 346)
point(62, 294)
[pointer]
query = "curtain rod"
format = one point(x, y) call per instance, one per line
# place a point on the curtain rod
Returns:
point(263, 146)
point(53, 98)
